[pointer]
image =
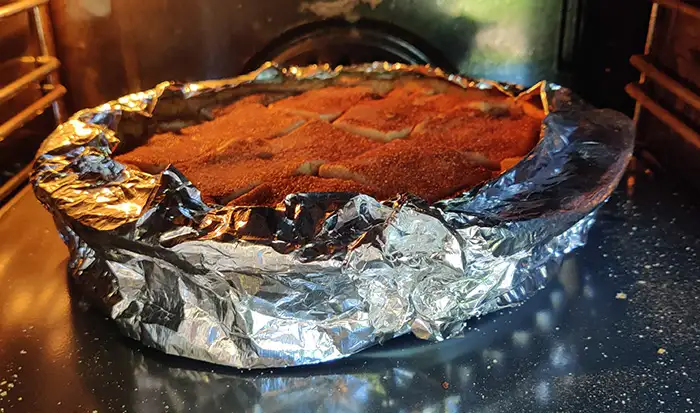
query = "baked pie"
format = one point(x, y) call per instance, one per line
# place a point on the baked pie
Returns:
point(425, 137)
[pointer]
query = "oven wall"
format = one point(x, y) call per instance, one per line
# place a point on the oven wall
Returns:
point(110, 48)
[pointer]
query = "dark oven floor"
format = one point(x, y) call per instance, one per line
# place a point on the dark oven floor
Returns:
point(617, 331)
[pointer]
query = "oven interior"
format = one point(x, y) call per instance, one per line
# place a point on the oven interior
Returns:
point(108, 49)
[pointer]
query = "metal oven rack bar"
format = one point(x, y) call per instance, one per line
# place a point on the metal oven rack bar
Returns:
point(649, 71)
point(45, 72)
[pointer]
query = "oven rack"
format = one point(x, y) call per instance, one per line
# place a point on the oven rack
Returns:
point(46, 73)
point(649, 71)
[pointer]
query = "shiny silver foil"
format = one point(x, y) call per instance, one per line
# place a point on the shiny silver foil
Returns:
point(324, 275)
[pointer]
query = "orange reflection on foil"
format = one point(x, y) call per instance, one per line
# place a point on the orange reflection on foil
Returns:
point(631, 181)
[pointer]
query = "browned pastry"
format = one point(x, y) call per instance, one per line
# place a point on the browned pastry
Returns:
point(242, 121)
point(469, 129)
point(222, 181)
point(235, 151)
point(384, 120)
point(325, 104)
point(404, 108)
point(439, 96)
point(274, 192)
point(320, 140)
point(301, 152)
point(400, 166)
point(450, 140)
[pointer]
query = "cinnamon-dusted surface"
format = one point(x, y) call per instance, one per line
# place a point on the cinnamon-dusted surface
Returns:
point(326, 103)
point(222, 182)
point(428, 138)
point(242, 121)
point(320, 140)
point(394, 116)
point(225, 175)
point(498, 137)
point(431, 173)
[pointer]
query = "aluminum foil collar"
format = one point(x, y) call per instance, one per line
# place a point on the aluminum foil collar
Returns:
point(323, 276)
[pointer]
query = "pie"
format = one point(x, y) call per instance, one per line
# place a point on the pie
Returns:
point(425, 137)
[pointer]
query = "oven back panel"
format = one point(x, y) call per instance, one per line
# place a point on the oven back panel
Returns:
point(109, 48)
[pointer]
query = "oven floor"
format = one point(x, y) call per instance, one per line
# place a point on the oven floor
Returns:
point(617, 331)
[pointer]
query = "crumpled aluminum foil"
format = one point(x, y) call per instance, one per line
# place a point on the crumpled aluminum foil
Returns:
point(327, 275)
